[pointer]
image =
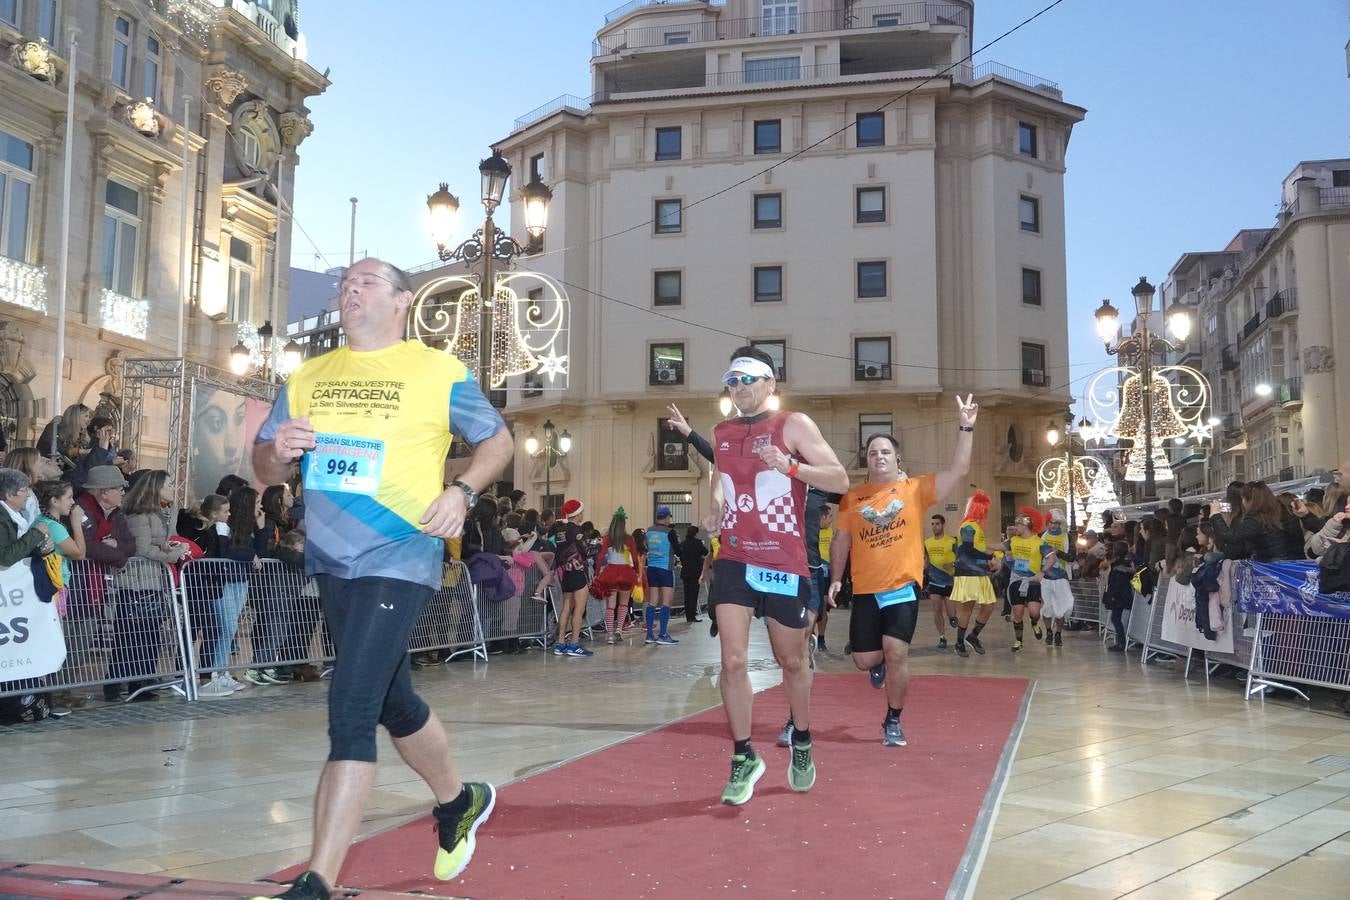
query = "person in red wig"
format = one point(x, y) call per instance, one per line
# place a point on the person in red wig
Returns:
point(972, 585)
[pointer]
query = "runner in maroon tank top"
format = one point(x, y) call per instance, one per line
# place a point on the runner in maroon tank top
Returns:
point(765, 461)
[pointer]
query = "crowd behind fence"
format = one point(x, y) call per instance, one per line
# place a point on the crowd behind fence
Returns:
point(148, 625)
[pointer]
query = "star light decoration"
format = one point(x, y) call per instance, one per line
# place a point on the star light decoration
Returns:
point(1180, 397)
point(530, 315)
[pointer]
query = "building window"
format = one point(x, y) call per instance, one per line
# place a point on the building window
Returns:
point(537, 167)
point(677, 37)
point(1033, 365)
point(1029, 214)
point(768, 136)
point(1031, 287)
point(871, 129)
point(16, 191)
point(768, 284)
point(665, 364)
point(779, 17)
point(777, 351)
point(9, 11)
point(668, 143)
point(1340, 177)
point(668, 288)
point(46, 21)
point(871, 279)
point(1026, 139)
point(671, 452)
point(869, 426)
point(150, 70)
point(871, 359)
point(772, 68)
point(241, 280)
point(669, 217)
point(869, 205)
point(121, 238)
point(768, 210)
point(121, 53)
point(885, 20)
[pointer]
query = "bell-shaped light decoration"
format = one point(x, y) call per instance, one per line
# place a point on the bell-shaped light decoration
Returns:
point(1134, 466)
point(1108, 321)
point(442, 215)
point(536, 197)
point(495, 170)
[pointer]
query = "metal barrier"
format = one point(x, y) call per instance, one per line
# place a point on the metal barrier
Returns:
point(522, 617)
point(1087, 601)
point(1311, 650)
point(1137, 622)
point(121, 626)
point(451, 619)
point(1154, 645)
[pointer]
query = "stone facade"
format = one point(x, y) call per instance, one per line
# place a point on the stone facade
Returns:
point(244, 70)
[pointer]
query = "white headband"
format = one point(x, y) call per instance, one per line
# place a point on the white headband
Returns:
point(749, 366)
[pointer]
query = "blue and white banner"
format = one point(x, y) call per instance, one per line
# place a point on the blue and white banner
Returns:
point(1286, 588)
point(31, 641)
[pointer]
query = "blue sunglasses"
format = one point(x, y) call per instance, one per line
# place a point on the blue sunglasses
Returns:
point(733, 380)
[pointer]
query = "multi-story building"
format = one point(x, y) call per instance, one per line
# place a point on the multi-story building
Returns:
point(1272, 307)
point(819, 179)
point(242, 65)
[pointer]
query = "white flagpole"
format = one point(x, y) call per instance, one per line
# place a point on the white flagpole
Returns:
point(185, 268)
point(72, 75)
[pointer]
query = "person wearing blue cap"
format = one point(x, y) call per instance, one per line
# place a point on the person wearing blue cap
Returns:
point(660, 577)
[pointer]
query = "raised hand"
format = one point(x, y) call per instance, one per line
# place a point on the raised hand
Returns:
point(677, 421)
point(969, 410)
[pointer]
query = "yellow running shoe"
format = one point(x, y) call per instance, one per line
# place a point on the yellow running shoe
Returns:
point(457, 832)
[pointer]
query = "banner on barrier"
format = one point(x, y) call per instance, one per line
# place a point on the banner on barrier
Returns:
point(1178, 625)
point(1286, 588)
point(31, 641)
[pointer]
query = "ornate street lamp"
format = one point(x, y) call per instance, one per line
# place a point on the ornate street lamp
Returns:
point(555, 447)
point(487, 245)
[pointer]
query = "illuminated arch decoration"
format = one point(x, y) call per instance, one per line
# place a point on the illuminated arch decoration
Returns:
point(1181, 411)
point(531, 321)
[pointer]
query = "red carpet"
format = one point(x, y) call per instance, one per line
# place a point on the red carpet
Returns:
point(642, 818)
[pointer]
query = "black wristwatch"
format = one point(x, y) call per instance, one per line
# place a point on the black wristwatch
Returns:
point(968, 428)
point(470, 495)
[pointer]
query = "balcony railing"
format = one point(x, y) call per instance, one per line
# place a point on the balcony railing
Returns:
point(1284, 302)
point(579, 105)
point(966, 74)
point(1291, 392)
point(23, 285)
point(838, 18)
point(1252, 324)
point(124, 315)
point(1232, 425)
point(1230, 358)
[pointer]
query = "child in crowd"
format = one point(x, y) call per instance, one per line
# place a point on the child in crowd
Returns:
point(1119, 594)
point(56, 501)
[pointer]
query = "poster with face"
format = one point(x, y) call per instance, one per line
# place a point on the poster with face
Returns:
point(224, 425)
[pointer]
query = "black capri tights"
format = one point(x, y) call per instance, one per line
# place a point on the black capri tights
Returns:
point(371, 620)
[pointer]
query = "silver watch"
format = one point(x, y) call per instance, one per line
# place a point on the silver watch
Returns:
point(470, 495)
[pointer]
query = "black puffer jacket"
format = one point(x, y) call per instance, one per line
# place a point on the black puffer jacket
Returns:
point(1249, 539)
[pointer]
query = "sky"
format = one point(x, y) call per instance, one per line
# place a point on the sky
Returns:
point(1196, 109)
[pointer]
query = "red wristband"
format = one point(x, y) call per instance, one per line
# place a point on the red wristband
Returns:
point(792, 469)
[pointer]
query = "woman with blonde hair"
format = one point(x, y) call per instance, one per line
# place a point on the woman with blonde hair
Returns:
point(31, 462)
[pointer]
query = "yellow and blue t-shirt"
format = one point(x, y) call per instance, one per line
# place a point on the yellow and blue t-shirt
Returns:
point(383, 421)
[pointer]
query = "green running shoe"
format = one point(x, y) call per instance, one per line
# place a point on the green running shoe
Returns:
point(802, 772)
point(745, 771)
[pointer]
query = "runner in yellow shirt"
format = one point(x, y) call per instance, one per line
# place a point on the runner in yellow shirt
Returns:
point(939, 576)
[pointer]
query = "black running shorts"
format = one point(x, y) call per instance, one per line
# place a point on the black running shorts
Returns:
point(729, 586)
point(934, 590)
point(1017, 597)
point(573, 582)
point(868, 623)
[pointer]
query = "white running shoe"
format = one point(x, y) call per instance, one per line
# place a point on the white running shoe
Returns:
point(214, 688)
point(227, 680)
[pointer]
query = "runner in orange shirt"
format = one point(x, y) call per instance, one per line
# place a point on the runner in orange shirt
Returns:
point(880, 526)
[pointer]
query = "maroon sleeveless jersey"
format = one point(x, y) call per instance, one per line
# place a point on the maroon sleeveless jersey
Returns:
point(763, 510)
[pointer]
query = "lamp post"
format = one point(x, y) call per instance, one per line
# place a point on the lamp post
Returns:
point(1053, 436)
point(488, 244)
point(554, 448)
point(291, 355)
point(1138, 351)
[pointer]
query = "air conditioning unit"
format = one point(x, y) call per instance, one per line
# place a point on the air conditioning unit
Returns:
point(666, 376)
point(672, 448)
point(869, 372)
